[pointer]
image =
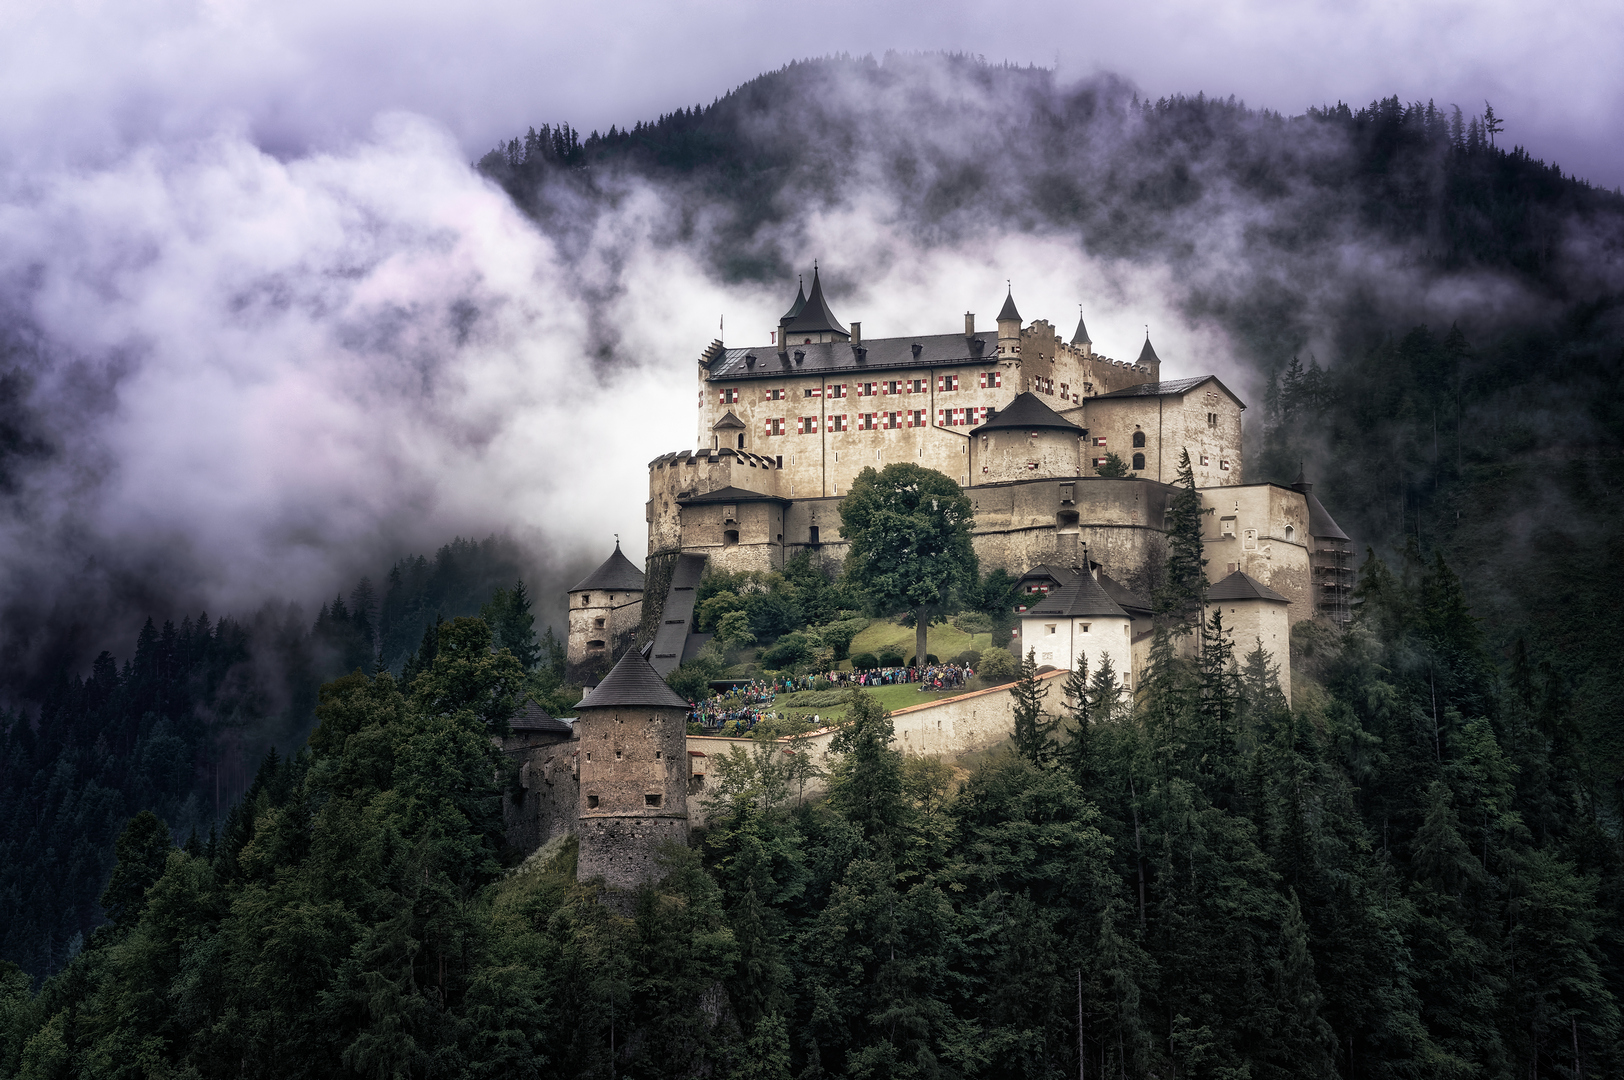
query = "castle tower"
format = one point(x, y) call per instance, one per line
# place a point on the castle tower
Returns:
point(1009, 343)
point(1149, 359)
point(814, 323)
point(1026, 441)
point(605, 608)
point(790, 315)
point(1080, 340)
point(633, 732)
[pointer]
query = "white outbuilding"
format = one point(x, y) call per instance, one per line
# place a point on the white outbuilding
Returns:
point(1080, 620)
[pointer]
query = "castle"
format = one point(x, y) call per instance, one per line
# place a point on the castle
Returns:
point(1024, 421)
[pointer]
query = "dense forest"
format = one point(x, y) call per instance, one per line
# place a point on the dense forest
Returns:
point(1414, 869)
point(179, 727)
point(1404, 873)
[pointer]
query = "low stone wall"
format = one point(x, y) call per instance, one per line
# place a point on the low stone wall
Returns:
point(949, 727)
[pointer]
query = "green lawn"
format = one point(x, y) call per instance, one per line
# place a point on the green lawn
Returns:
point(944, 640)
point(898, 696)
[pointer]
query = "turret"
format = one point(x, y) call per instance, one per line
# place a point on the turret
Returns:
point(633, 732)
point(605, 608)
point(813, 323)
point(790, 315)
point(1149, 359)
point(1080, 339)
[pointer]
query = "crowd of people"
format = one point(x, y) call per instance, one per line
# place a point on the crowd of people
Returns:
point(738, 711)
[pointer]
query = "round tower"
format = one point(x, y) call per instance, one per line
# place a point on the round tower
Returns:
point(605, 609)
point(1026, 441)
point(1009, 342)
point(633, 732)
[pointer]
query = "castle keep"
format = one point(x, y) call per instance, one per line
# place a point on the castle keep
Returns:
point(1023, 420)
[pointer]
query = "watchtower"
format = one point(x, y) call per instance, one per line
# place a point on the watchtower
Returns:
point(633, 732)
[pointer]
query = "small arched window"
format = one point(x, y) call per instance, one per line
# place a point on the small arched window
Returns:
point(1291, 534)
point(1139, 461)
point(1138, 438)
point(741, 442)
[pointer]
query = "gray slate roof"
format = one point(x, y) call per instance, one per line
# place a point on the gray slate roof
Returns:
point(617, 574)
point(533, 718)
point(814, 317)
point(632, 683)
point(1147, 355)
point(1320, 523)
point(795, 308)
point(1027, 411)
point(1008, 312)
point(1125, 597)
point(728, 421)
point(1168, 387)
point(1082, 597)
point(1081, 336)
point(1242, 586)
point(874, 356)
point(731, 494)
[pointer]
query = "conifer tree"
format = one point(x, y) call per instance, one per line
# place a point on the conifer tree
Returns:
point(1034, 729)
point(1182, 593)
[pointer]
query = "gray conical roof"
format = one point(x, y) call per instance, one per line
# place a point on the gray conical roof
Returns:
point(1081, 336)
point(795, 308)
point(1083, 596)
point(617, 574)
point(1243, 586)
point(632, 683)
point(1008, 311)
point(1147, 355)
point(814, 317)
point(1320, 522)
point(1027, 411)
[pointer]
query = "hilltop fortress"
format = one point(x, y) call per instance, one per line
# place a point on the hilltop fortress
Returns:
point(1024, 421)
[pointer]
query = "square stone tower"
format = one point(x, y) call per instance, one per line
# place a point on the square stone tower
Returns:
point(633, 732)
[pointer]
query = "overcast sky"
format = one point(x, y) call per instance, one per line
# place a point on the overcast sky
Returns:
point(83, 77)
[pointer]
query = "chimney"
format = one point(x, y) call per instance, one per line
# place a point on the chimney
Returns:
point(969, 324)
point(856, 333)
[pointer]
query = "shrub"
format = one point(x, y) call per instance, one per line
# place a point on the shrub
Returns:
point(973, 622)
point(930, 658)
point(890, 658)
point(968, 658)
point(792, 649)
point(997, 666)
point(864, 660)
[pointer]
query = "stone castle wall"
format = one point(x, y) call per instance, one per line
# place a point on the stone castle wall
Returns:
point(633, 768)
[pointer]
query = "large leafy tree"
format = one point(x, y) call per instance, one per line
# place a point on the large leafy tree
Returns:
point(909, 531)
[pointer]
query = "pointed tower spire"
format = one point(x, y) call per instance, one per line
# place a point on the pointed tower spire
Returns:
point(814, 317)
point(1009, 312)
point(1081, 336)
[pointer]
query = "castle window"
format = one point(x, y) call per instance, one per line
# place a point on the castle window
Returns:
point(806, 425)
point(916, 386)
point(1139, 461)
point(1226, 526)
point(1203, 459)
point(814, 534)
point(916, 417)
point(837, 423)
point(1099, 440)
point(776, 394)
point(730, 537)
point(598, 623)
point(1138, 439)
point(1223, 463)
point(658, 754)
point(1099, 463)
point(591, 802)
point(730, 395)
point(1050, 628)
point(594, 644)
point(741, 441)
point(586, 598)
point(1291, 533)
point(775, 426)
point(1082, 627)
point(837, 390)
point(651, 800)
point(867, 389)
point(991, 380)
point(1212, 419)
point(947, 382)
